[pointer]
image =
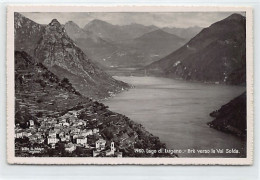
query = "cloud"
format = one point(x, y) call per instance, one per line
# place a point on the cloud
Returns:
point(176, 19)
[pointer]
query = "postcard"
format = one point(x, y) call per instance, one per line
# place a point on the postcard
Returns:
point(140, 85)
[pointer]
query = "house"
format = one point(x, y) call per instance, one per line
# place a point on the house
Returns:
point(81, 140)
point(65, 124)
point(31, 123)
point(33, 138)
point(95, 130)
point(39, 135)
point(52, 140)
point(75, 136)
point(61, 134)
point(70, 147)
point(19, 134)
point(100, 144)
point(75, 130)
point(63, 139)
point(27, 133)
point(111, 151)
point(87, 132)
point(82, 123)
point(67, 136)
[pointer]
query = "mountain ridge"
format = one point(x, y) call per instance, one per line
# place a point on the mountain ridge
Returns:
point(216, 54)
point(57, 51)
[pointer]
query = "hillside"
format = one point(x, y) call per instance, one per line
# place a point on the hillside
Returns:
point(27, 34)
point(46, 105)
point(231, 117)
point(216, 54)
point(58, 52)
point(39, 92)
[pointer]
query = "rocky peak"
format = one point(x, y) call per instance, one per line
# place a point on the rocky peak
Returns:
point(27, 33)
point(236, 17)
point(58, 52)
point(55, 22)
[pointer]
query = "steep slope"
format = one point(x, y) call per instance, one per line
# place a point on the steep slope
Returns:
point(90, 43)
point(185, 33)
point(39, 92)
point(27, 33)
point(216, 54)
point(41, 97)
point(231, 117)
point(74, 31)
point(61, 56)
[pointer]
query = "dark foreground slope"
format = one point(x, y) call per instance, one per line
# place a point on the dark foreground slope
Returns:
point(216, 54)
point(231, 117)
point(41, 97)
point(51, 46)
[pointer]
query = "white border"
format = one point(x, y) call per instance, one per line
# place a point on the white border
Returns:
point(116, 161)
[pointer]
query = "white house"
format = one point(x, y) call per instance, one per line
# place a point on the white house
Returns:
point(95, 130)
point(63, 139)
point(87, 132)
point(111, 151)
point(66, 124)
point(82, 123)
point(100, 144)
point(52, 140)
point(19, 134)
point(81, 140)
point(31, 123)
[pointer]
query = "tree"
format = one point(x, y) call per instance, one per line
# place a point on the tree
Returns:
point(65, 81)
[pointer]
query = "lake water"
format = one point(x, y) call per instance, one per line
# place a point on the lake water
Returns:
point(177, 112)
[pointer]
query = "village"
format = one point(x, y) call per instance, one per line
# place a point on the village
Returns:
point(66, 133)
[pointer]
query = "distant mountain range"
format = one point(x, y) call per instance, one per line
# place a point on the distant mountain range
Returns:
point(185, 33)
point(116, 33)
point(216, 54)
point(51, 46)
point(132, 45)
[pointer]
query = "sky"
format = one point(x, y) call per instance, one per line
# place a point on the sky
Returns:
point(176, 19)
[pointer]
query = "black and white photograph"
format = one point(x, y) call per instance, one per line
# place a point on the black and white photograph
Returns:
point(126, 86)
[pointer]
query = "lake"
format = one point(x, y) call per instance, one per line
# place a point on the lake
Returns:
point(177, 112)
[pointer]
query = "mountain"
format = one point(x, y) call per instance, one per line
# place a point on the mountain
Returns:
point(231, 117)
point(27, 33)
point(39, 92)
point(90, 43)
point(47, 101)
point(216, 54)
point(157, 43)
point(57, 51)
point(139, 46)
point(116, 33)
point(185, 33)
